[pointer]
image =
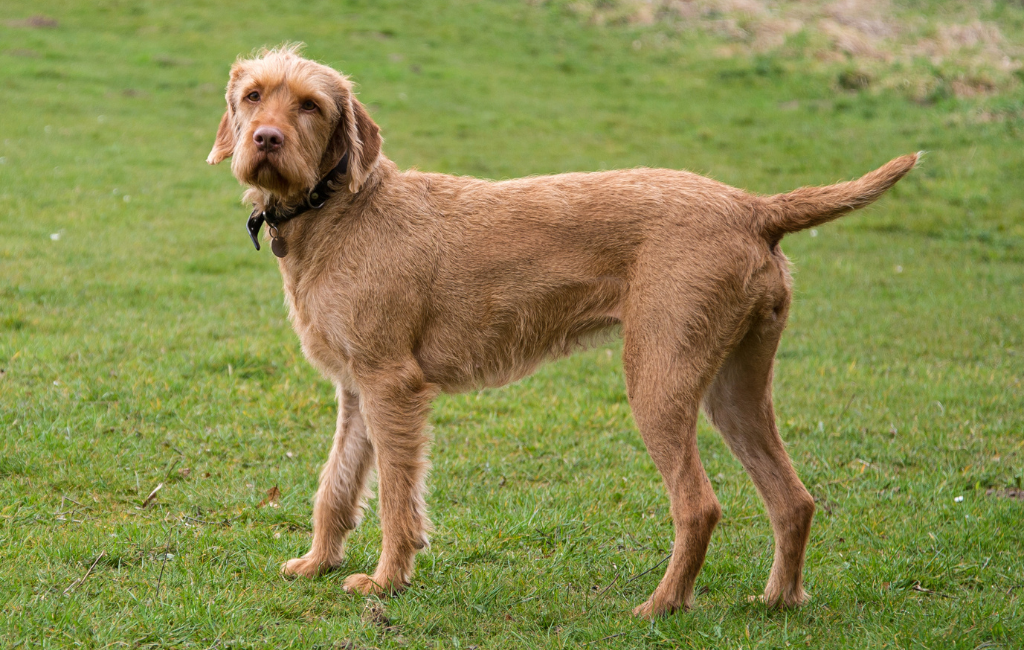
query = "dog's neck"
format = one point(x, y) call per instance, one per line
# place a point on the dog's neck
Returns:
point(264, 199)
point(317, 237)
point(284, 207)
point(270, 208)
point(281, 211)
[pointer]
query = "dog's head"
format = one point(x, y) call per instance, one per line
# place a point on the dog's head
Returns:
point(289, 121)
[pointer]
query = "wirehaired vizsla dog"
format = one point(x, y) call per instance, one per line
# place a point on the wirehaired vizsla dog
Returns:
point(401, 285)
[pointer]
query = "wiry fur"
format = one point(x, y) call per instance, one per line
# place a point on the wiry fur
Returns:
point(406, 284)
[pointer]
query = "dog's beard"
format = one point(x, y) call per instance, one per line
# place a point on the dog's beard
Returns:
point(267, 176)
point(273, 173)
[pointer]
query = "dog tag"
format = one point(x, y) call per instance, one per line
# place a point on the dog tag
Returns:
point(279, 246)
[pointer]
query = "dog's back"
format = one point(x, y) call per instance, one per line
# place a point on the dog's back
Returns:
point(537, 267)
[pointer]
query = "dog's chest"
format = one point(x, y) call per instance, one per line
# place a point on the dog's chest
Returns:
point(322, 331)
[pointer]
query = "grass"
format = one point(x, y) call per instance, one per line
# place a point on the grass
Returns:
point(143, 342)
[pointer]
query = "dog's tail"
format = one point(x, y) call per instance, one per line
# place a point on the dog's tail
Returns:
point(812, 206)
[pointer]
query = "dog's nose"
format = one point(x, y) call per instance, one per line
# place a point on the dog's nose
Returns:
point(268, 138)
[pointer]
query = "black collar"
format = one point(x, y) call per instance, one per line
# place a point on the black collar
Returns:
point(315, 200)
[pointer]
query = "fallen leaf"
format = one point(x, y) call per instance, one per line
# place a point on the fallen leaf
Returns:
point(273, 498)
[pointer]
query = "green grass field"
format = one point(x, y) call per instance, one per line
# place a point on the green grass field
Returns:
point(144, 342)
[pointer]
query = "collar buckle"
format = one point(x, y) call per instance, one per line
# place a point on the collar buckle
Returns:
point(316, 199)
point(254, 224)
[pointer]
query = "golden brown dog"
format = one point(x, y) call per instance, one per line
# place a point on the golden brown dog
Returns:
point(406, 284)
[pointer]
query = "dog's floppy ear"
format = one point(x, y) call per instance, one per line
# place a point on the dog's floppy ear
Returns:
point(357, 134)
point(224, 145)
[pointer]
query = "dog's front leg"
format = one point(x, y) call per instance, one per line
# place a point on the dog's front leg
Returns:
point(395, 404)
point(339, 499)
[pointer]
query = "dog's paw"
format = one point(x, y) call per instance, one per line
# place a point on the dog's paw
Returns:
point(644, 610)
point(360, 583)
point(654, 608)
point(304, 567)
point(795, 600)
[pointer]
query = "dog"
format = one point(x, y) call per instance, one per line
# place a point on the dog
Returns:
point(401, 285)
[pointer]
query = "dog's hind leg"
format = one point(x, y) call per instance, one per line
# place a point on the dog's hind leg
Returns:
point(669, 357)
point(338, 506)
point(395, 403)
point(739, 403)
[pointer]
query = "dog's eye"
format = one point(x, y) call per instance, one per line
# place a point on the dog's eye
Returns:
point(253, 97)
point(309, 105)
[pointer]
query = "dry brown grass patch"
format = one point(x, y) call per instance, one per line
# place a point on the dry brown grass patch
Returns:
point(966, 55)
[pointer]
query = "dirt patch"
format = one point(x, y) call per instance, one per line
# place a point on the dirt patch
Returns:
point(1006, 493)
point(374, 614)
point(35, 22)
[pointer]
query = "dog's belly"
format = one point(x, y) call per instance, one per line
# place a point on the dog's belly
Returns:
point(492, 342)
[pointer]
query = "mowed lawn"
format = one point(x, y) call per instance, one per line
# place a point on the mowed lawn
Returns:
point(143, 342)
